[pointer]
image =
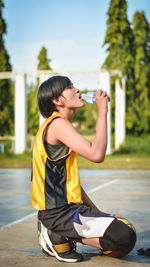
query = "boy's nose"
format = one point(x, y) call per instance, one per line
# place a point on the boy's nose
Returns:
point(77, 90)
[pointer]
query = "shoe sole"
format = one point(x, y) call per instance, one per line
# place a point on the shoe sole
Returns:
point(45, 250)
point(49, 243)
point(43, 246)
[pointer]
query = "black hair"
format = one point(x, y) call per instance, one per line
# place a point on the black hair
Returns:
point(49, 90)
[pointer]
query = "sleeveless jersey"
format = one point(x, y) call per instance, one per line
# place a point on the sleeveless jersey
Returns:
point(54, 183)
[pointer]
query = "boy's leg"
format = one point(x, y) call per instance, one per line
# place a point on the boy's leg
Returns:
point(118, 239)
point(114, 236)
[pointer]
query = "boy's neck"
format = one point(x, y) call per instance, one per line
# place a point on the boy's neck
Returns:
point(67, 113)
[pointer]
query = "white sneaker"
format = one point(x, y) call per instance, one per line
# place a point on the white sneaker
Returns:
point(55, 245)
point(42, 242)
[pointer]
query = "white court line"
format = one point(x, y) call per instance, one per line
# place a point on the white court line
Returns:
point(35, 213)
point(102, 186)
point(18, 221)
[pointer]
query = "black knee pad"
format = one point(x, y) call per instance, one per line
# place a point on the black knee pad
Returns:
point(119, 236)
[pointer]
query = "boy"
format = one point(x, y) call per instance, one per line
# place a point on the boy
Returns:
point(65, 212)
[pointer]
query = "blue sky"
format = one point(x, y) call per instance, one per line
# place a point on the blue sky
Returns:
point(73, 32)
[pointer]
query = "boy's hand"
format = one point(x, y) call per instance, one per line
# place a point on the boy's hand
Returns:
point(102, 102)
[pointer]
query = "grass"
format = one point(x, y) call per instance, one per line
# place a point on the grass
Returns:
point(133, 154)
point(127, 162)
point(136, 144)
point(13, 161)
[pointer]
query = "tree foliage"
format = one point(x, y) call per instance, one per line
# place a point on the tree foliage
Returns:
point(43, 61)
point(32, 111)
point(119, 41)
point(6, 88)
point(141, 31)
point(128, 47)
point(119, 38)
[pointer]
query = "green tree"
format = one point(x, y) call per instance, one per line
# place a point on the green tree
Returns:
point(141, 31)
point(44, 62)
point(119, 38)
point(32, 112)
point(6, 89)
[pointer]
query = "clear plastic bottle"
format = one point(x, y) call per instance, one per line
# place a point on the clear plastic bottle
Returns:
point(89, 97)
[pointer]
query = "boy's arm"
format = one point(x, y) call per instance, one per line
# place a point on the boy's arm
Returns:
point(65, 133)
point(87, 200)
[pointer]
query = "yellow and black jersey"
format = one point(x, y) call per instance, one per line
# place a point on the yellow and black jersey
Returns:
point(54, 183)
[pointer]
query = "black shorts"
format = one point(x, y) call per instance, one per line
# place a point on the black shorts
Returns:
point(76, 221)
point(117, 236)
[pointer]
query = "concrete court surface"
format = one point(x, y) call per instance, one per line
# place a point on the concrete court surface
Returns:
point(122, 192)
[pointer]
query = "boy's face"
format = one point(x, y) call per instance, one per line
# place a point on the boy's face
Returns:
point(71, 97)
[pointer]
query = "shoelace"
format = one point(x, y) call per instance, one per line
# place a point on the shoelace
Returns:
point(73, 245)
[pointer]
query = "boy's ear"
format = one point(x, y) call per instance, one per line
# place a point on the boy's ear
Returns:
point(57, 101)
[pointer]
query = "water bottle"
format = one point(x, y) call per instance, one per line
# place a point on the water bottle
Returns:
point(89, 97)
